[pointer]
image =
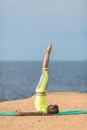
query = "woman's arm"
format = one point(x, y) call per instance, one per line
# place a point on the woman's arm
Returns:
point(38, 113)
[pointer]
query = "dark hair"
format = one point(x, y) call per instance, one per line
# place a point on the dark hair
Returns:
point(53, 108)
point(56, 108)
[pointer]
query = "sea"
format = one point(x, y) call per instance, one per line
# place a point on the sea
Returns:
point(18, 79)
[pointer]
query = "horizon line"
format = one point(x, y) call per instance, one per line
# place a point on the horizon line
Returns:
point(42, 61)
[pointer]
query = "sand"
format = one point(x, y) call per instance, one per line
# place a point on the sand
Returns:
point(65, 100)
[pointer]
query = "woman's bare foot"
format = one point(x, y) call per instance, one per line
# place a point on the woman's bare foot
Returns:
point(47, 56)
point(48, 50)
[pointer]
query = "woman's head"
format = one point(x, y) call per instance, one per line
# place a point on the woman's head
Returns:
point(53, 109)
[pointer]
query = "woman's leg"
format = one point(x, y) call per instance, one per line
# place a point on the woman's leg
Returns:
point(47, 56)
point(42, 85)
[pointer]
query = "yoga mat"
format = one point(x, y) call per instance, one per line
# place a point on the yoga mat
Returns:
point(8, 113)
point(73, 112)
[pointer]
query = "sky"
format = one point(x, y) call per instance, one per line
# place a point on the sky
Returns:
point(28, 26)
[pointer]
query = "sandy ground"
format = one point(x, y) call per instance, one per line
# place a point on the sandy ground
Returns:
point(65, 100)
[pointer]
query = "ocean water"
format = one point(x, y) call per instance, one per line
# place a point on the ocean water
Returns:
point(18, 80)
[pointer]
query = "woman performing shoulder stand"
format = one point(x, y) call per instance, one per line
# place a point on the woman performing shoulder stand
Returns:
point(41, 104)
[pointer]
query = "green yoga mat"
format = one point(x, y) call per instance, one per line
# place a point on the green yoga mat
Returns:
point(8, 113)
point(74, 112)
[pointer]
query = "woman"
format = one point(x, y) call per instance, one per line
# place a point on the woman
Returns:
point(41, 104)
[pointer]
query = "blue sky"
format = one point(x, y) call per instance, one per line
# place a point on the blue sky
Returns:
point(28, 26)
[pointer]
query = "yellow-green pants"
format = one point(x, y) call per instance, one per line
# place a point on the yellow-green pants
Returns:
point(40, 101)
point(42, 85)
